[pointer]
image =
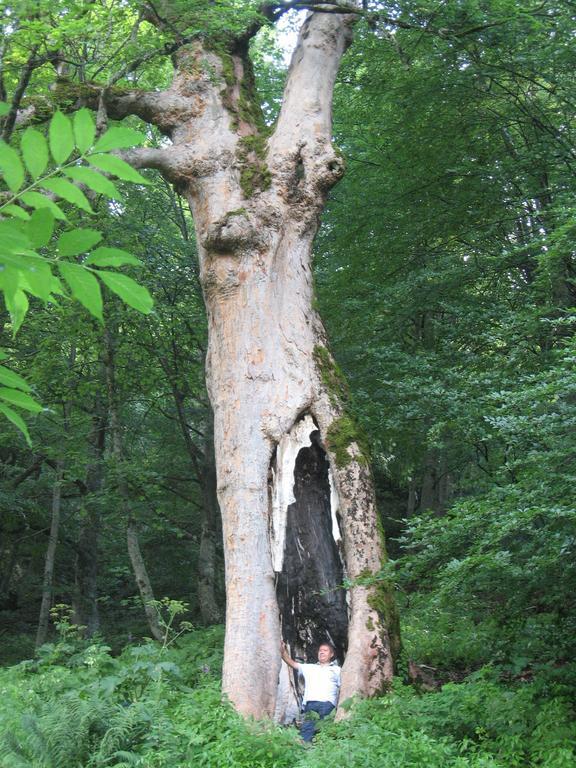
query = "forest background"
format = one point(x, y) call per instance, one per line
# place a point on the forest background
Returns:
point(445, 274)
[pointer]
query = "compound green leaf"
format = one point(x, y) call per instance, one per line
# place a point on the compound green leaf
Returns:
point(111, 257)
point(38, 280)
point(17, 420)
point(119, 137)
point(16, 211)
point(34, 151)
point(41, 227)
point(68, 192)
point(11, 167)
point(77, 241)
point(128, 290)
point(95, 181)
point(12, 238)
point(117, 167)
point(39, 201)
point(84, 287)
point(17, 306)
point(21, 399)
point(61, 138)
point(14, 380)
point(84, 129)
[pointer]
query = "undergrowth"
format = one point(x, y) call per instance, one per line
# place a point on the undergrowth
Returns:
point(78, 706)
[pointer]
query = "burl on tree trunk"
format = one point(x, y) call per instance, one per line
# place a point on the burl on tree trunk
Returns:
point(301, 537)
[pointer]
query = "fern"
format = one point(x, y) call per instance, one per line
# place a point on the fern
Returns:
point(128, 728)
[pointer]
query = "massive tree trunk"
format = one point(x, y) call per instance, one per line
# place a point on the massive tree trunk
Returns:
point(294, 485)
point(273, 383)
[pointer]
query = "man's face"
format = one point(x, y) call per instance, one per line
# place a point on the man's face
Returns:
point(325, 654)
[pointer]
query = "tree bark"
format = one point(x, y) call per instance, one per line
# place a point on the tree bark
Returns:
point(209, 535)
point(48, 581)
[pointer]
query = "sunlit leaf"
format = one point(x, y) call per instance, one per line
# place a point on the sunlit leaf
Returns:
point(84, 129)
point(119, 137)
point(117, 167)
point(11, 379)
point(95, 181)
point(34, 151)
point(11, 167)
point(39, 201)
point(17, 306)
point(17, 420)
point(21, 399)
point(61, 138)
point(16, 211)
point(111, 257)
point(77, 241)
point(12, 237)
point(38, 280)
point(84, 287)
point(68, 192)
point(128, 290)
point(41, 227)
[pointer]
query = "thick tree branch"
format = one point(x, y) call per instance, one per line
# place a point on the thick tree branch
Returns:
point(165, 109)
point(305, 122)
point(25, 75)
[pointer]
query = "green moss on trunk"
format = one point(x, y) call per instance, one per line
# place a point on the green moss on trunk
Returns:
point(332, 376)
point(342, 433)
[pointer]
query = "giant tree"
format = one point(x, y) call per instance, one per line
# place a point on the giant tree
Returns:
point(294, 484)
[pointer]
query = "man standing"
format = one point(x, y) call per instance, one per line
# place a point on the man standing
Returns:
point(321, 685)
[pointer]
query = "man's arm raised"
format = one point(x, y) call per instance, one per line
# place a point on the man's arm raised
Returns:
point(287, 658)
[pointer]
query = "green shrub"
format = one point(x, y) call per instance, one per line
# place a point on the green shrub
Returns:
point(77, 706)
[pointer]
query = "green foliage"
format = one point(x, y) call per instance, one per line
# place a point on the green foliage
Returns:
point(26, 271)
point(342, 434)
point(159, 707)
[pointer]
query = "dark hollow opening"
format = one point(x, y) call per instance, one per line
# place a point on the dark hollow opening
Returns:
point(311, 596)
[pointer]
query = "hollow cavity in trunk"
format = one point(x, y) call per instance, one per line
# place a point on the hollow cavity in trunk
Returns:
point(307, 557)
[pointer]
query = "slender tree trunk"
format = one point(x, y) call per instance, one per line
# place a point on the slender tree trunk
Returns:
point(86, 566)
point(209, 535)
point(142, 579)
point(203, 466)
point(10, 557)
point(48, 580)
point(133, 544)
point(85, 601)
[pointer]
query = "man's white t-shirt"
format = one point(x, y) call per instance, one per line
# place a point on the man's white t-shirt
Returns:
point(322, 682)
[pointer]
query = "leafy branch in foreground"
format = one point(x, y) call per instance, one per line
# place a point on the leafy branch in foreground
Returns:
point(30, 208)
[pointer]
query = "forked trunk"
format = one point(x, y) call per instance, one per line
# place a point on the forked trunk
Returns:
point(302, 545)
point(294, 486)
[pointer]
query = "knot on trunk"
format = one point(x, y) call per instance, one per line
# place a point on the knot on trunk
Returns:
point(234, 232)
point(329, 169)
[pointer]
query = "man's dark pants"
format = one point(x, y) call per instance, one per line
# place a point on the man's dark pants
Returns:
point(308, 728)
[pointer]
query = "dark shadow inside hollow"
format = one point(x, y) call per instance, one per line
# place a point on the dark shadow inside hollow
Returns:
point(311, 598)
